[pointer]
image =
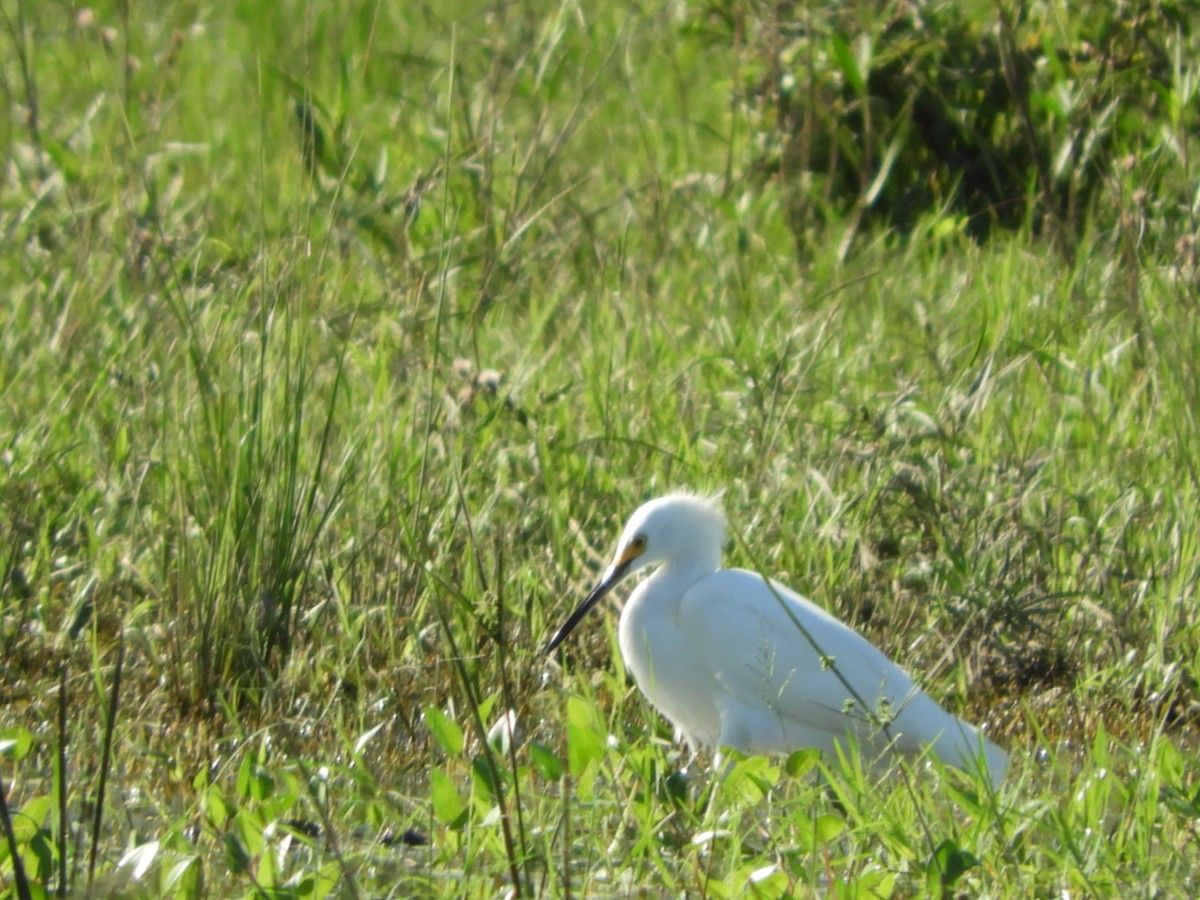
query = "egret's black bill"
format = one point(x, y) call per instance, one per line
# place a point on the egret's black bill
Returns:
point(615, 574)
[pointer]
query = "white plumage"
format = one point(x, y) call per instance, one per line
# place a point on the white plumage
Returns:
point(735, 660)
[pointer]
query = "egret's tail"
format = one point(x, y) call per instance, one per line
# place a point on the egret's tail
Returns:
point(965, 748)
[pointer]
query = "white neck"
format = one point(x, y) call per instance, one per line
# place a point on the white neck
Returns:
point(682, 574)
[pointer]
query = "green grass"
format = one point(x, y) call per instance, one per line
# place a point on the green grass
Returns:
point(328, 425)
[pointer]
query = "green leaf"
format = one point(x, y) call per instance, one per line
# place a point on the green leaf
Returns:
point(947, 865)
point(183, 880)
point(815, 833)
point(445, 731)
point(63, 157)
point(15, 742)
point(849, 65)
point(873, 881)
point(266, 873)
point(750, 779)
point(486, 705)
point(486, 775)
point(254, 781)
point(828, 827)
point(545, 762)
point(214, 807)
point(236, 856)
point(33, 815)
point(39, 856)
point(801, 762)
point(1178, 801)
point(766, 880)
point(448, 806)
point(249, 830)
point(585, 736)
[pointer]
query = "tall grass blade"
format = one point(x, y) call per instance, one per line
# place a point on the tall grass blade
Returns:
point(60, 779)
point(20, 880)
point(110, 723)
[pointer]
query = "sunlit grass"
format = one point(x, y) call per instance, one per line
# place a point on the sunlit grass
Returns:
point(327, 439)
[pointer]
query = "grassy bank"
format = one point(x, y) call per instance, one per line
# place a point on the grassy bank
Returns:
point(338, 345)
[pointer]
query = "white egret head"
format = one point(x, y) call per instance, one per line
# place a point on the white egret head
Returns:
point(679, 529)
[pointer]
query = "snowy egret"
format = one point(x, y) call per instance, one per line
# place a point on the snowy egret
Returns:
point(734, 659)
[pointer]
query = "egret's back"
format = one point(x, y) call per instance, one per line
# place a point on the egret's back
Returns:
point(790, 675)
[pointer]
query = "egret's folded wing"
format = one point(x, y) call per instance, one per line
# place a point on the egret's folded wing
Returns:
point(774, 651)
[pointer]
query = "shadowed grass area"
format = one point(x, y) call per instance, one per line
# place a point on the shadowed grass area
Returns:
point(339, 342)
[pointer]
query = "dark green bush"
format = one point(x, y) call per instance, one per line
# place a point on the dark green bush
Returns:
point(997, 115)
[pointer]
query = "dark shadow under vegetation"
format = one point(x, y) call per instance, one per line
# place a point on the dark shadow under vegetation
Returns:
point(889, 111)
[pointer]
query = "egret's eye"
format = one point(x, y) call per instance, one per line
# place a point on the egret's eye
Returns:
point(632, 550)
